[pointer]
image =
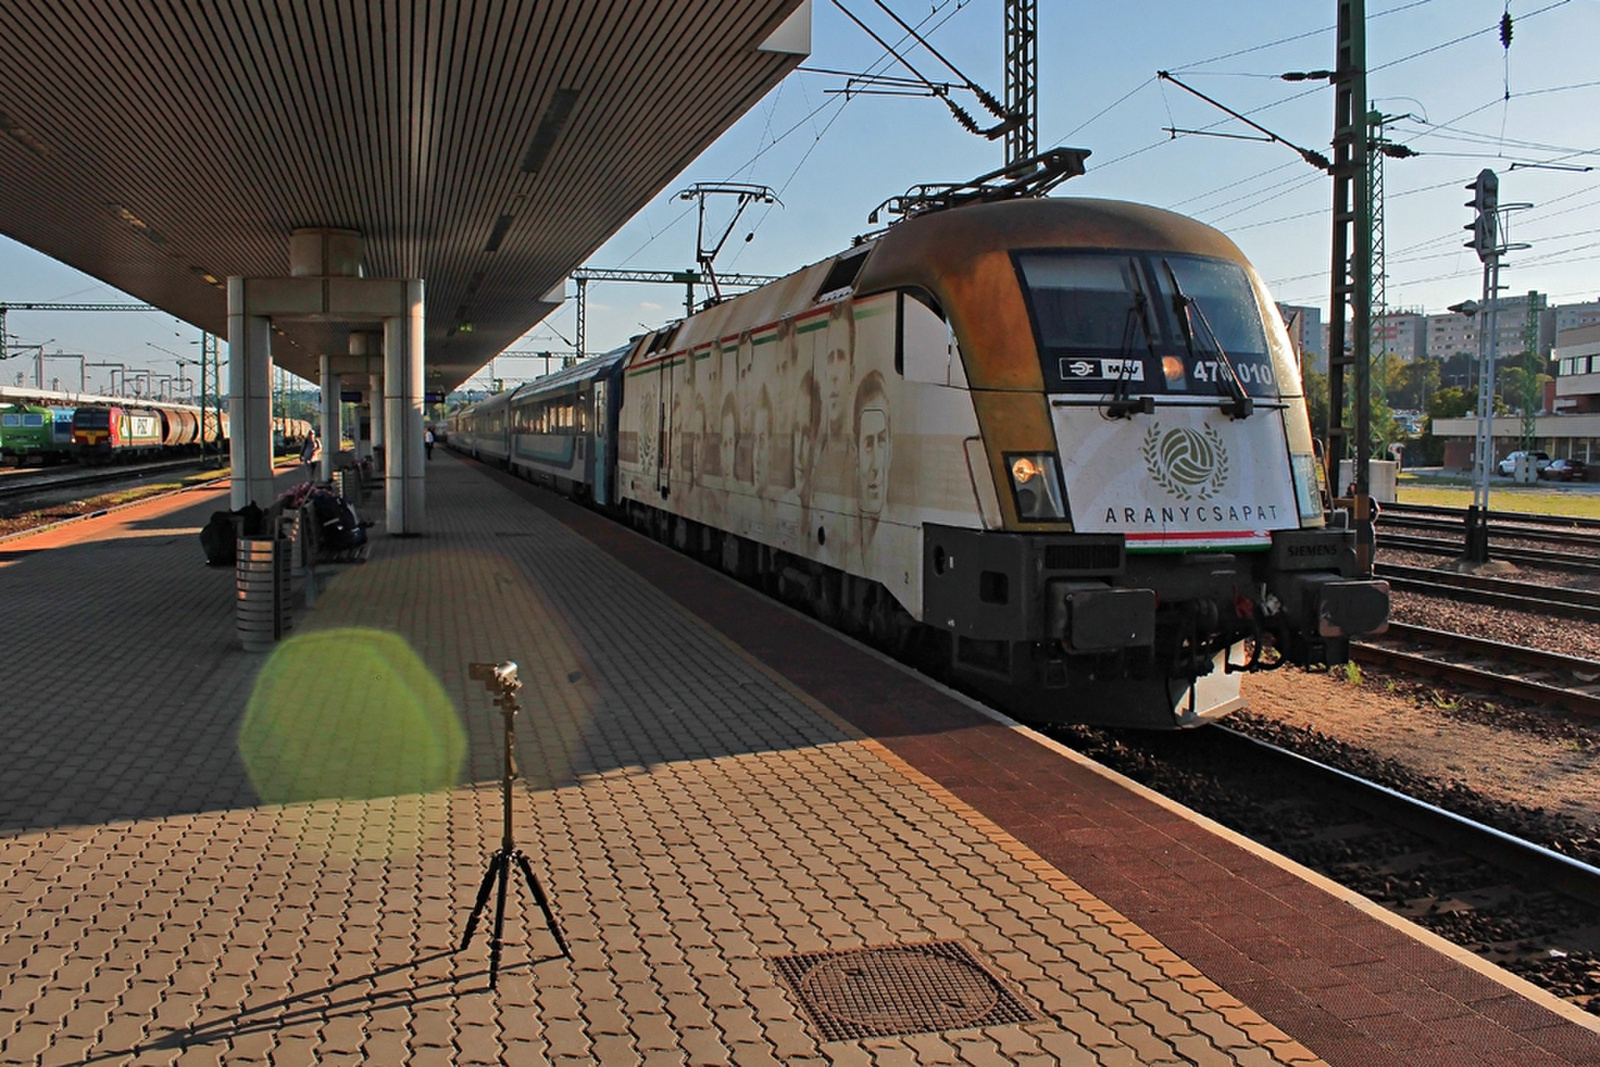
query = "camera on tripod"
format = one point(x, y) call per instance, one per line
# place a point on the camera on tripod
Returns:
point(496, 677)
point(501, 680)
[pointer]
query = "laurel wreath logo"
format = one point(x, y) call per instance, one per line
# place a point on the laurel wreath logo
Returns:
point(1189, 464)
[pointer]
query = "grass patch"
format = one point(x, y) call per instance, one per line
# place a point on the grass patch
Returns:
point(128, 496)
point(1504, 496)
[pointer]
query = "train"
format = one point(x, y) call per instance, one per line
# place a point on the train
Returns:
point(106, 432)
point(31, 431)
point(1058, 448)
point(57, 427)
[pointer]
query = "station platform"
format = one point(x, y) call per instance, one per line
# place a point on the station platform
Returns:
point(764, 843)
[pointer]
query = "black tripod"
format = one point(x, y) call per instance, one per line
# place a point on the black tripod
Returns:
point(501, 678)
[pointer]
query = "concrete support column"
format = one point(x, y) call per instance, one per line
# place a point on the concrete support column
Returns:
point(363, 437)
point(402, 401)
point(332, 431)
point(249, 402)
point(375, 392)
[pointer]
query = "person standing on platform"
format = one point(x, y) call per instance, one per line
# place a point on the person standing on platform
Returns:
point(427, 441)
point(308, 453)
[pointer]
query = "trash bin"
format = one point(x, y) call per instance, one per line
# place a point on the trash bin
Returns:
point(262, 574)
point(349, 485)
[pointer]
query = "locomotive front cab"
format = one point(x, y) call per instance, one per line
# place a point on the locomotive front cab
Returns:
point(1158, 527)
point(92, 430)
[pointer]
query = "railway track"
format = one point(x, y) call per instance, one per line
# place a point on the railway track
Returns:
point(1565, 542)
point(1495, 592)
point(1472, 872)
point(1574, 558)
point(18, 488)
point(1548, 679)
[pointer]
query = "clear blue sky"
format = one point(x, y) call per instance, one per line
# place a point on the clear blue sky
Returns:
point(1437, 64)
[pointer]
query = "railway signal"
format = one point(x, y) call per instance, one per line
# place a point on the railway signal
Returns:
point(1485, 226)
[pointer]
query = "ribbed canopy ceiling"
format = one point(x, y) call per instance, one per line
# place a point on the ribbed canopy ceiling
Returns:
point(486, 147)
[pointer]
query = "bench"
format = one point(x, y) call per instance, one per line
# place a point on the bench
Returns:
point(320, 563)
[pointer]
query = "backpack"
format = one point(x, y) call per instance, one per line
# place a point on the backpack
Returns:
point(216, 539)
point(338, 526)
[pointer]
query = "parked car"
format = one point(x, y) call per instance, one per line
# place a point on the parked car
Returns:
point(1565, 470)
point(1541, 460)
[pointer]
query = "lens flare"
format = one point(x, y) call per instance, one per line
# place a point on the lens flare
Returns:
point(352, 714)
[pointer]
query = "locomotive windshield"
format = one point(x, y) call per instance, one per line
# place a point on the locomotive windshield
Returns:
point(1112, 322)
point(92, 418)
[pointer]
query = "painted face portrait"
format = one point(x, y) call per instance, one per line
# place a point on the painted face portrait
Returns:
point(807, 423)
point(872, 443)
point(649, 411)
point(872, 459)
point(761, 446)
point(700, 437)
point(730, 438)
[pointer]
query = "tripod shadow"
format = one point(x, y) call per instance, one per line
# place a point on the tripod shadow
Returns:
point(302, 1007)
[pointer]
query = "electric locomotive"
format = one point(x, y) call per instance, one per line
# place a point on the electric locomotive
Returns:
point(1062, 444)
point(28, 430)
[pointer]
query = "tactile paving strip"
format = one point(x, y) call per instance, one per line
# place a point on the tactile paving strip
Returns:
point(898, 989)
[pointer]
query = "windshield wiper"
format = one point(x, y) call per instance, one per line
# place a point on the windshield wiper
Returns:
point(1121, 404)
point(1240, 406)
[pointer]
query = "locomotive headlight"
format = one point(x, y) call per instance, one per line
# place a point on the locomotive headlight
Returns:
point(1036, 487)
point(1172, 370)
point(1024, 469)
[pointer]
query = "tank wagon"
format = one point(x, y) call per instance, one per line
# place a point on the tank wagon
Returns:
point(1060, 444)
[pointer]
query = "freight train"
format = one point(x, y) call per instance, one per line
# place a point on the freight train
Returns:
point(1059, 445)
point(104, 432)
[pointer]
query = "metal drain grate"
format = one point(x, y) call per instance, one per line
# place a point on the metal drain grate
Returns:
point(898, 989)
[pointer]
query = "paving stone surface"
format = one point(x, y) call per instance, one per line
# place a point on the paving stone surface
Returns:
point(214, 856)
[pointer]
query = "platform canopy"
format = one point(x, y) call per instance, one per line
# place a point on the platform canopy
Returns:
point(485, 146)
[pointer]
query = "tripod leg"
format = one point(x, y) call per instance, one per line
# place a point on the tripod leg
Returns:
point(499, 915)
point(544, 904)
point(483, 898)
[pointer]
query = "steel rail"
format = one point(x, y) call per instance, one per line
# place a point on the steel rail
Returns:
point(1497, 592)
point(1459, 516)
point(1537, 557)
point(1571, 876)
point(1581, 698)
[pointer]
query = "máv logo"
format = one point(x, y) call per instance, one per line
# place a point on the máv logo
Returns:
point(1189, 464)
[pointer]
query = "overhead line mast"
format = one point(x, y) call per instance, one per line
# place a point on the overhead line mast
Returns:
point(1022, 79)
point(1351, 271)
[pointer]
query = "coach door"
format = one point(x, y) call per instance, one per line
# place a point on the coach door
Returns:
point(602, 443)
point(664, 422)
